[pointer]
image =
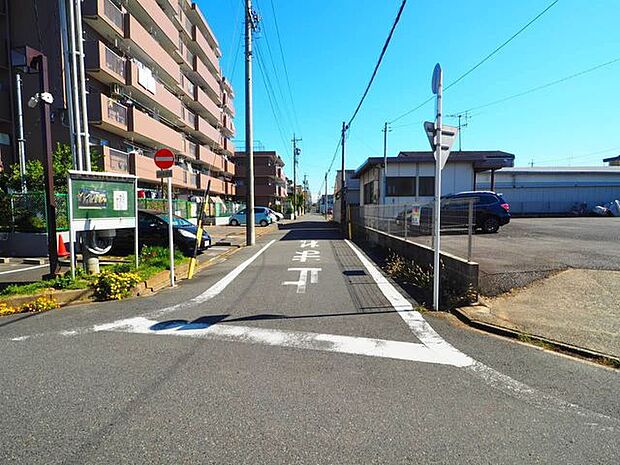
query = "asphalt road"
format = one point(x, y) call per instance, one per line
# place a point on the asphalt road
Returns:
point(293, 351)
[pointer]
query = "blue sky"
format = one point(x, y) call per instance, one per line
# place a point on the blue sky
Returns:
point(331, 48)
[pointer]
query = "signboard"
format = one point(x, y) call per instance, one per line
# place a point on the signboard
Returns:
point(448, 136)
point(161, 174)
point(415, 215)
point(101, 201)
point(164, 159)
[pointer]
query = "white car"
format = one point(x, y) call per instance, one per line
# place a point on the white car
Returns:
point(278, 216)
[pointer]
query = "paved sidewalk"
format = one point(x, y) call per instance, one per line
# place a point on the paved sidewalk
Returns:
point(575, 307)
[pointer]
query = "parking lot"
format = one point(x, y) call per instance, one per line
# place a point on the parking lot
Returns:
point(528, 249)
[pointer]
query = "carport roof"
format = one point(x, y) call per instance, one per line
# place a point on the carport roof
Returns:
point(483, 160)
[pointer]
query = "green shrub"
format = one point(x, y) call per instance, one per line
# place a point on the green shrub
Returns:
point(115, 286)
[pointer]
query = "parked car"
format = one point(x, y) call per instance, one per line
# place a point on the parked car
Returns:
point(153, 231)
point(262, 216)
point(279, 216)
point(491, 212)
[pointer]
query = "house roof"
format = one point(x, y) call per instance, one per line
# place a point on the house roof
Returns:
point(562, 169)
point(482, 160)
point(607, 160)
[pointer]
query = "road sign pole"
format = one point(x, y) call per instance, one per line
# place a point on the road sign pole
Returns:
point(170, 232)
point(438, 89)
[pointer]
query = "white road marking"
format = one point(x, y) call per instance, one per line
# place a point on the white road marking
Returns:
point(312, 244)
point(217, 287)
point(294, 339)
point(24, 269)
point(306, 255)
point(418, 325)
point(303, 278)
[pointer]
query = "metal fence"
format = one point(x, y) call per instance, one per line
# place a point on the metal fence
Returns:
point(189, 210)
point(414, 222)
point(26, 212)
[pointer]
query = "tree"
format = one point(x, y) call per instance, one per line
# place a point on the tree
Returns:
point(62, 162)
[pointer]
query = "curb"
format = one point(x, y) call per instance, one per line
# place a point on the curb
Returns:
point(557, 346)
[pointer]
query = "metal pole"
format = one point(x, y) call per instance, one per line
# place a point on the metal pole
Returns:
point(62, 6)
point(437, 228)
point(325, 198)
point(75, 96)
point(136, 232)
point(385, 131)
point(250, 233)
point(295, 175)
point(343, 200)
point(470, 227)
point(71, 231)
point(170, 232)
point(20, 134)
point(82, 76)
point(40, 63)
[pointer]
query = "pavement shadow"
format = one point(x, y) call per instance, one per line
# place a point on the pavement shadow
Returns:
point(310, 230)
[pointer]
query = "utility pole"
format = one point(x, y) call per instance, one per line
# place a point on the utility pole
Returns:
point(459, 116)
point(296, 152)
point(20, 133)
point(305, 191)
point(385, 131)
point(343, 200)
point(325, 198)
point(250, 25)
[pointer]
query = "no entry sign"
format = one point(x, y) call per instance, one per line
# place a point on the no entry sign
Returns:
point(164, 159)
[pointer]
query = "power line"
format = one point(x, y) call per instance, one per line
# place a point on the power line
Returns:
point(544, 86)
point(484, 60)
point(579, 157)
point(288, 82)
point(383, 50)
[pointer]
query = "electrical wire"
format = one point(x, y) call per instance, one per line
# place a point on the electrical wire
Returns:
point(484, 60)
point(543, 86)
point(374, 73)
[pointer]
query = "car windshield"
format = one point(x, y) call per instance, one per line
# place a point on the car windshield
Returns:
point(177, 221)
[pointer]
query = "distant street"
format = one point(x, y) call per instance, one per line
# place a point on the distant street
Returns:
point(297, 350)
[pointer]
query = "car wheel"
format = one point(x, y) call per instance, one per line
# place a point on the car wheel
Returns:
point(490, 225)
point(264, 223)
point(234, 222)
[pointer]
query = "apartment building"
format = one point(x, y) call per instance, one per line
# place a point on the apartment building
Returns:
point(269, 179)
point(154, 81)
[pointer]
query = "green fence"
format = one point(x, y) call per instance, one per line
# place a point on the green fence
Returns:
point(26, 212)
point(187, 209)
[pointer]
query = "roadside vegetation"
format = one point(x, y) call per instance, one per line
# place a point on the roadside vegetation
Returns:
point(115, 282)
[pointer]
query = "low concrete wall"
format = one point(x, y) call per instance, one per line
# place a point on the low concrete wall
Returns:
point(457, 269)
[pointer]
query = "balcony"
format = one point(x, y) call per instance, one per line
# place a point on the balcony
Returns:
point(145, 168)
point(228, 127)
point(206, 106)
point(161, 101)
point(190, 149)
point(195, 14)
point(229, 107)
point(203, 75)
point(149, 131)
point(115, 161)
point(108, 114)
point(188, 118)
point(188, 87)
point(183, 178)
point(209, 157)
point(104, 64)
point(228, 147)
point(104, 17)
point(148, 12)
point(207, 133)
point(230, 168)
point(217, 185)
point(144, 47)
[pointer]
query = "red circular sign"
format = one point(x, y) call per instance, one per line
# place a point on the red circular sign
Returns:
point(164, 159)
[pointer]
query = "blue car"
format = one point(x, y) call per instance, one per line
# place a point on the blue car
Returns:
point(262, 216)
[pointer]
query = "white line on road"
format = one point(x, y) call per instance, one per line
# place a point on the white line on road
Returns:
point(303, 278)
point(24, 269)
point(429, 337)
point(217, 287)
point(294, 339)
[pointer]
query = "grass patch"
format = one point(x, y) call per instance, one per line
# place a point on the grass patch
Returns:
point(59, 283)
point(610, 362)
point(535, 342)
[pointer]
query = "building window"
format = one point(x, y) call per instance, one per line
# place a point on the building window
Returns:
point(427, 186)
point(369, 193)
point(401, 186)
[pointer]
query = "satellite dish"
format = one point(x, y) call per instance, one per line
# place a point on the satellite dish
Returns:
point(437, 78)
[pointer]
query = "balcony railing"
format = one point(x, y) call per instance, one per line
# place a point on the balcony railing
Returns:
point(189, 117)
point(114, 62)
point(114, 14)
point(117, 112)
